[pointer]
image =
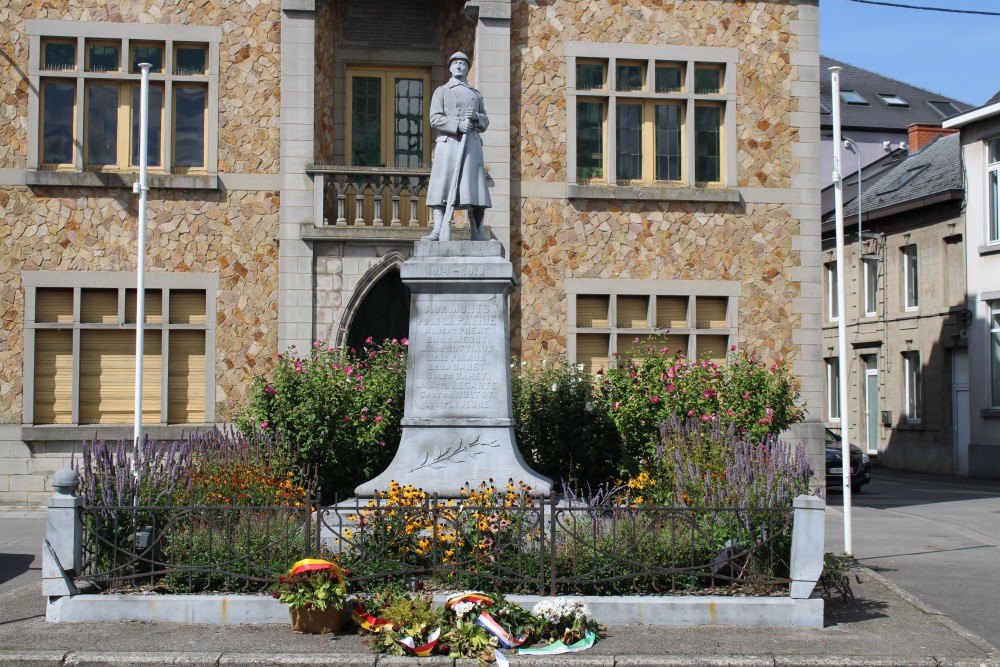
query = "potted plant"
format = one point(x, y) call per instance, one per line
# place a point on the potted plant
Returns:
point(315, 592)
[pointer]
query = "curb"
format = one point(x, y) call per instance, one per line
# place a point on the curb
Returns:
point(193, 659)
point(992, 651)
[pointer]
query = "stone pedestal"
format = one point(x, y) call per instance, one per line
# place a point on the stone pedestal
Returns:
point(458, 425)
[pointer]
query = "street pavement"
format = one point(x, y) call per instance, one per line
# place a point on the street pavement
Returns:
point(937, 537)
point(896, 530)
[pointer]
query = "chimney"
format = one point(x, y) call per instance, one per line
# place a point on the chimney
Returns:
point(921, 135)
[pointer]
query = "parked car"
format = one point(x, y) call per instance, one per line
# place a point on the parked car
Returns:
point(861, 466)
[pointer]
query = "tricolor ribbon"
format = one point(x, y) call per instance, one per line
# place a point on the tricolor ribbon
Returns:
point(557, 647)
point(367, 621)
point(310, 564)
point(469, 597)
point(420, 651)
point(505, 638)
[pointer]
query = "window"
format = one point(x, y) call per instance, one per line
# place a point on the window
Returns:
point(624, 317)
point(911, 294)
point(993, 174)
point(833, 389)
point(912, 389)
point(88, 106)
point(81, 342)
point(643, 116)
point(389, 112)
point(832, 304)
point(893, 100)
point(852, 97)
point(995, 353)
point(944, 109)
point(870, 267)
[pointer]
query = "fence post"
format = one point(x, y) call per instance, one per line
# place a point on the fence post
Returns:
point(807, 545)
point(62, 548)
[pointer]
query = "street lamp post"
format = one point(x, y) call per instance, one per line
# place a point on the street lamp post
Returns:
point(838, 191)
point(141, 188)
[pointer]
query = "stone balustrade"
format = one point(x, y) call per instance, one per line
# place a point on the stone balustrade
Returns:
point(369, 197)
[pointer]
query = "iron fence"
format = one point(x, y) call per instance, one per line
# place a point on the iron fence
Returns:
point(550, 547)
point(545, 546)
point(192, 549)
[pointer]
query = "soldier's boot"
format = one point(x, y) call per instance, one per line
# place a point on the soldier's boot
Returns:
point(437, 214)
point(476, 220)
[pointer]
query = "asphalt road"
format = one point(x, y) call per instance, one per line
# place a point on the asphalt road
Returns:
point(21, 536)
point(936, 537)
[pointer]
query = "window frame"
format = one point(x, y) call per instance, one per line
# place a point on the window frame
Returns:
point(122, 284)
point(869, 296)
point(386, 73)
point(126, 36)
point(832, 389)
point(912, 387)
point(992, 191)
point(688, 59)
point(911, 277)
point(993, 351)
point(621, 292)
point(830, 270)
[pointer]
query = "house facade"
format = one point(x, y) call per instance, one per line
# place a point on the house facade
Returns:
point(905, 285)
point(653, 166)
point(980, 132)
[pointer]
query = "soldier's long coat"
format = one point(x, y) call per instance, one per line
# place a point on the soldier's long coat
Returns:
point(448, 106)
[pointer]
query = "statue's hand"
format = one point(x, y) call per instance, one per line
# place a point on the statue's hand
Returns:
point(464, 125)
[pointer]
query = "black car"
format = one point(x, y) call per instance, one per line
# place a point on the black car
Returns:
point(861, 467)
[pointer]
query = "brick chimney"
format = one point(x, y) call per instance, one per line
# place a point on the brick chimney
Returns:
point(922, 134)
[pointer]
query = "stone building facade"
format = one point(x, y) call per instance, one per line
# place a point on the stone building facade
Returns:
point(68, 253)
point(905, 313)
point(653, 165)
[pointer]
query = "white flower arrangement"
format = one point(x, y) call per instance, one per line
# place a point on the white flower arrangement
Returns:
point(562, 611)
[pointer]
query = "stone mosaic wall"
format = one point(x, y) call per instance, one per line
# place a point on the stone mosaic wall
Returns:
point(556, 239)
point(642, 241)
point(249, 62)
point(759, 29)
point(232, 233)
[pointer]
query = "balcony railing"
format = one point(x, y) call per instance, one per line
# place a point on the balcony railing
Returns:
point(369, 201)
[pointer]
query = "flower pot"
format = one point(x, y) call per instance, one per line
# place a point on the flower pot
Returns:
point(315, 622)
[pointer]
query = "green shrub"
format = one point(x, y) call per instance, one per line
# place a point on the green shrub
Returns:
point(561, 430)
point(642, 393)
point(339, 409)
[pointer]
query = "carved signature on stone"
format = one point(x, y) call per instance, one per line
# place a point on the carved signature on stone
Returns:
point(453, 454)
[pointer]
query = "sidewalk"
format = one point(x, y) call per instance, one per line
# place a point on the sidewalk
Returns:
point(884, 627)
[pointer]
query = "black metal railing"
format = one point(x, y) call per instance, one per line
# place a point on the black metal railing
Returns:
point(542, 546)
point(190, 549)
point(552, 548)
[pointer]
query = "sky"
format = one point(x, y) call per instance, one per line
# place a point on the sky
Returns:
point(948, 53)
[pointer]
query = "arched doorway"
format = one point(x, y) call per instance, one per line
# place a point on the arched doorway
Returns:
point(383, 313)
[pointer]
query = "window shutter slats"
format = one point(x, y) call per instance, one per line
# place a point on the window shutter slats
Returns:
point(592, 352)
point(592, 311)
point(671, 312)
point(54, 376)
point(186, 378)
point(107, 377)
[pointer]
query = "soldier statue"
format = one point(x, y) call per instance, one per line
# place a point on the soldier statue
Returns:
point(458, 173)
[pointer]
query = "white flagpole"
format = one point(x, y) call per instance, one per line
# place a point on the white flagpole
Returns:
point(845, 367)
point(141, 187)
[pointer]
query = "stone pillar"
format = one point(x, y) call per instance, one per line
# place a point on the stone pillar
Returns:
point(807, 545)
point(62, 548)
point(492, 62)
point(295, 256)
point(458, 422)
